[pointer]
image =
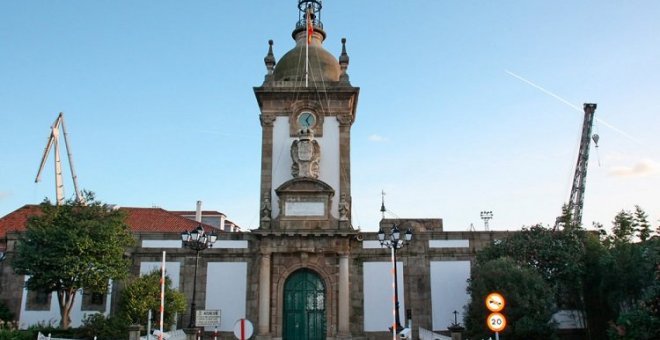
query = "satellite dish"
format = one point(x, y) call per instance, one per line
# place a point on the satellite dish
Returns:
point(596, 137)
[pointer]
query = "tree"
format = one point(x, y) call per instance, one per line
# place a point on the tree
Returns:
point(623, 227)
point(529, 299)
point(632, 281)
point(71, 247)
point(143, 294)
point(554, 255)
point(641, 224)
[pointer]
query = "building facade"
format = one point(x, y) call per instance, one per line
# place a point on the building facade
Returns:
point(306, 272)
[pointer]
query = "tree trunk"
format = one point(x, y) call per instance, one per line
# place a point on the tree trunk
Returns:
point(65, 298)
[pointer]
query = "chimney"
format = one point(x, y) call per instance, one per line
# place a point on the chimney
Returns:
point(198, 212)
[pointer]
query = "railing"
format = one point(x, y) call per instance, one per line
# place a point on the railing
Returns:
point(40, 336)
point(175, 335)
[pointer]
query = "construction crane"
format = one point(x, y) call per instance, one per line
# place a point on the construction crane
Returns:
point(53, 141)
point(576, 201)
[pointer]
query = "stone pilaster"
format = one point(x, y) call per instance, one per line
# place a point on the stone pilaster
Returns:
point(267, 121)
point(343, 310)
point(345, 121)
point(264, 295)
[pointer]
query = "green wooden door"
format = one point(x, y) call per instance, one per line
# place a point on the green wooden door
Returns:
point(304, 306)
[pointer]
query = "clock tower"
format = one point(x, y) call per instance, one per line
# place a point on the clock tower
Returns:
point(307, 108)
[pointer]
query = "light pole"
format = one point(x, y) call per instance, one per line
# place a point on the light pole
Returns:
point(197, 240)
point(486, 216)
point(394, 242)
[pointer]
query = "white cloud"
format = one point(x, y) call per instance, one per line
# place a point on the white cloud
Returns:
point(642, 168)
point(377, 138)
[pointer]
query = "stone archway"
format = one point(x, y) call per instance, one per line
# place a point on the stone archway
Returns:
point(304, 314)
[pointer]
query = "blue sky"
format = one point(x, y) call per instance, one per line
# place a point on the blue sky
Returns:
point(159, 107)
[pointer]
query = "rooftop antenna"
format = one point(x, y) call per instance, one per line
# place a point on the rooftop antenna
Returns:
point(382, 204)
point(486, 216)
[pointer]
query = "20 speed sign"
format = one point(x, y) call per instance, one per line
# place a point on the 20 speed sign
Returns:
point(496, 322)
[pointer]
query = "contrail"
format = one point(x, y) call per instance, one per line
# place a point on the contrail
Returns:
point(577, 108)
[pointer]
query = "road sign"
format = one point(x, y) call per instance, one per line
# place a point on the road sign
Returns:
point(243, 329)
point(209, 317)
point(495, 302)
point(496, 322)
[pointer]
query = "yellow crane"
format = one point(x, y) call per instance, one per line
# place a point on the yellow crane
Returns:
point(54, 143)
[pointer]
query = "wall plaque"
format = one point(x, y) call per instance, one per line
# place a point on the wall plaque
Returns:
point(304, 209)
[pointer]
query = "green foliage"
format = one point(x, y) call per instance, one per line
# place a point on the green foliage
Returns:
point(598, 310)
point(529, 300)
point(628, 270)
point(554, 255)
point(623, 227)
point(610, 276)
point(6, 334)
point(5, 313)
point(103, 328)
point(636, 324)
point(641, 224)
point(73, 246)
point(634, 283)
point(143, 294)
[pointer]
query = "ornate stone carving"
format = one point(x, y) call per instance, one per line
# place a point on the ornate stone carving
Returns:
point(345, 119)
point(266, 207)
point(344, 208)
point(306, 155)
point(267, 119)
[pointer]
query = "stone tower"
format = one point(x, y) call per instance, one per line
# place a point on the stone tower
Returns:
point(307, 108)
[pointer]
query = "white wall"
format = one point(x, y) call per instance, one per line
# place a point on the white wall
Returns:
point(378, 296)
point(449, 243)
point(329, 165)
point(448, 284)
point(52, 316)
point(224, 244)
point(226, 290)
point(161, 244)
point(172, 269)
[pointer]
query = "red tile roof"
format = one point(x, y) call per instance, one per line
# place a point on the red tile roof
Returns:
point(193, 212)
point(17, 219)
point(138, 219)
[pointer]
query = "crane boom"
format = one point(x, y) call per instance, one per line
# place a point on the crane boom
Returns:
point(53, 143)
point(576, 200)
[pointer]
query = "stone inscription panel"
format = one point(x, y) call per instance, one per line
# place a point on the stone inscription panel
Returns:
point(304, 209)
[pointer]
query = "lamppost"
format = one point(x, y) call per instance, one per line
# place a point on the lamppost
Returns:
point(486, 216)
point(394, 242)
point(197, 240)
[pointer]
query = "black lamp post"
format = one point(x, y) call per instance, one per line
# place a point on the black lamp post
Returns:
point(196, 240)
point(394, 242)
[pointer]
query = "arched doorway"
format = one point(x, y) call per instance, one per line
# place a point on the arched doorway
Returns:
point(304, 306)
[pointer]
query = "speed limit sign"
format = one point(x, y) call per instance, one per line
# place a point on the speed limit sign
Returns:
point(496, 322)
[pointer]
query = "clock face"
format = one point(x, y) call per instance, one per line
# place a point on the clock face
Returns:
point(306, 120)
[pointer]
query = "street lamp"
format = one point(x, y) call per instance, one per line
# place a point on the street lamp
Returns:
point(394, 242)
point(486, 216)
point(197, 240)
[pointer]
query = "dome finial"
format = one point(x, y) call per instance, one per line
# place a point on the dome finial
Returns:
point(269, 60)
point(343, 60)
point(314, 7)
